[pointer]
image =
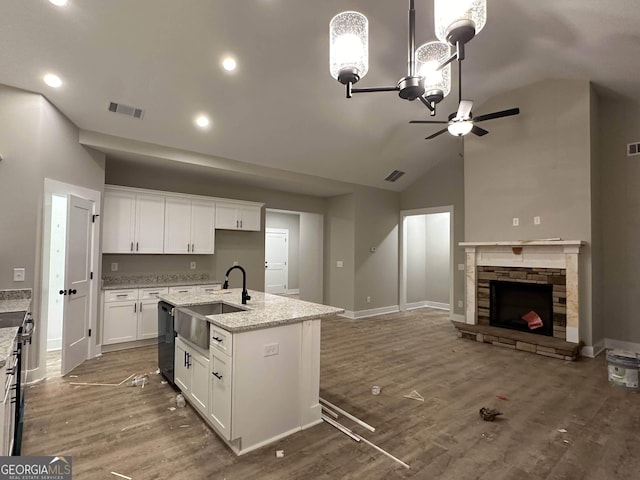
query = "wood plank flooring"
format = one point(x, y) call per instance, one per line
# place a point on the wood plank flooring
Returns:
point(131, 431)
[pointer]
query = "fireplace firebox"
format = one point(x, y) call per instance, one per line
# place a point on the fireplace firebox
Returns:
point(523, 306)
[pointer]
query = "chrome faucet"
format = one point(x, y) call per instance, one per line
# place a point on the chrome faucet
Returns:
point(245, 294)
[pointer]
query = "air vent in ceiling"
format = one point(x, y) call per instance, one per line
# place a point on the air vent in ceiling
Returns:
point(393, 176)
point(633, 149)
point(125, 110)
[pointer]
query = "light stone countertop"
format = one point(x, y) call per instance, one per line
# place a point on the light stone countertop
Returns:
point(263, 310)
point(15, 300)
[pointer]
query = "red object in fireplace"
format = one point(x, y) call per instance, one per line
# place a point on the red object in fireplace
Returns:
point(533, 320)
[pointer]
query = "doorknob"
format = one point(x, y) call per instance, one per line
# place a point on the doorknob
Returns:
point(72, 292)
point(63, 292)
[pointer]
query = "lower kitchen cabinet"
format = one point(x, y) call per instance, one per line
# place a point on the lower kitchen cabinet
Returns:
point(7, 406)
point(192, 374)
point(220, 393)
point(120, 322)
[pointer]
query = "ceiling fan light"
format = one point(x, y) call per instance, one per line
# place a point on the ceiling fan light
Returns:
point(459, 20)
point(459, 129)
point(437, 83)
point(349, 47)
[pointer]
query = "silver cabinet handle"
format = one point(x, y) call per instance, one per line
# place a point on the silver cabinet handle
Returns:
point(240, 223)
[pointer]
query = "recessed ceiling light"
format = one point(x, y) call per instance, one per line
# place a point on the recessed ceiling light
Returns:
point(52, 80)
point(229, 64)
point(202, 121)
point(59, 3)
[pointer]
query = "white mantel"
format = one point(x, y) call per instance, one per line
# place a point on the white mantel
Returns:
point(532, 254)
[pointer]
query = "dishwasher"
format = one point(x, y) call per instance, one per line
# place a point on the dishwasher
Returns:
point(166, 341)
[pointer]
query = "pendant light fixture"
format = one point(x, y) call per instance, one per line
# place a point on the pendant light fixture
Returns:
point(428, 76)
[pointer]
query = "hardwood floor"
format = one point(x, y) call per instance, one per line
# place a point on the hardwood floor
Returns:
point(131, 431)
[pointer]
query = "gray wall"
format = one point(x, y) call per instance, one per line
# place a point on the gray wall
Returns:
point(339, 234)
point(290, 222)
point(245, 247)
point(416, 272)
point(437, 266)
point(36, 142)
point(620, 175)
point(443, 185)
point(311, 257)
point(538, 163)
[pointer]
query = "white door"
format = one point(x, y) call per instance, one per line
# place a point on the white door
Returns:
point(276, 255)
point(76, 309)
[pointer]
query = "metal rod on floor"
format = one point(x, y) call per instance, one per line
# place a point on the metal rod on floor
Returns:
point(341, 427)
point(330, 412)
point(348, 415)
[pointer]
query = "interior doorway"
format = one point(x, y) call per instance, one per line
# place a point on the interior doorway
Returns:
point(276, 260)
point(305, 251)
point(70, 273)
point(426, 266)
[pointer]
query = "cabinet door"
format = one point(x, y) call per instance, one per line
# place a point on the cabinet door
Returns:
point(202, 226)
point(220, 393)
point(147, 319)
point(249, 218)
point(182, 375)
point(5, 412)
point(177, 225)
point(119, 322)
point(149, 224)
point(118, 225)
point(199, 366)
point(227, 217)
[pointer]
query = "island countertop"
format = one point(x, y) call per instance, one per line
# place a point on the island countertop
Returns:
point(262, 311)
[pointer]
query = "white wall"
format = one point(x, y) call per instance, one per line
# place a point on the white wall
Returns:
point(437, 264)
point(56, 271)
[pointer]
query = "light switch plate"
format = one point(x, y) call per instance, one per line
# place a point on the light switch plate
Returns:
point(536, 220)
point(461, 267)
point(18, 274)
point(516, 221)
point(339, 264)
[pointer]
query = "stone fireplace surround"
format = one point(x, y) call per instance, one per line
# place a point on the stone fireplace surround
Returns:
point(537, 261)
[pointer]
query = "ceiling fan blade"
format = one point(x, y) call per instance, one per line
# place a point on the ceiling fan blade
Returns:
point(464, 110)
point(491, 116)
point(429, 121)
point(479, 131)
point(436, 134)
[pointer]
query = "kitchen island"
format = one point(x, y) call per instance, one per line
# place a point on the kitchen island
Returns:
point(258, 377)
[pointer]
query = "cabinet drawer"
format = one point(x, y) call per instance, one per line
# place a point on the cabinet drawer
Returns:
point(188, 289)
point(208, 288)
point(221, 340)
point(121, 295)
point(151, 293)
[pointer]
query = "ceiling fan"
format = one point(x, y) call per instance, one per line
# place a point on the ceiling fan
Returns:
point(462, 122)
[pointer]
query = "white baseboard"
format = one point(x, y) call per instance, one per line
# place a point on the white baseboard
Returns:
point(457, 317)
point(370, 313)
point(54, 344)
point(592, 351)
point(622, 345)
point(293, 291)
point(427, 303)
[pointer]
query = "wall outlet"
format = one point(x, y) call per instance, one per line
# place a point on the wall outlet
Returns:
point(368, 299)
point(271, 349)
point(339, 264)
point(461, 267)
point(460, 304)
point(536, 220)
point(193, 265)
point(114, 267)
point(516, 221)
point(18, 274)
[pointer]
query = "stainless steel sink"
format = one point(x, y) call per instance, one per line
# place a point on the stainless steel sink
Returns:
point(11, 319)
point(191, 322)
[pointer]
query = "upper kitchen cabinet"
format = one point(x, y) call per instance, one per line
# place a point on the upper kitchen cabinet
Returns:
point(133, 222)
point(238, 216)
point(189, 225)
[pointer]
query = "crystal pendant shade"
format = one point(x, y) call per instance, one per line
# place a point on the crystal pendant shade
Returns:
point(428, 57)
point(349, 44)
point(453, 14)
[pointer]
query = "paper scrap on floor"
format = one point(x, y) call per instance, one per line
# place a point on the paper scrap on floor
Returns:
point(415, 396)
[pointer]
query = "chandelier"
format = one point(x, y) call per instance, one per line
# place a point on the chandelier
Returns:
point(428, 77)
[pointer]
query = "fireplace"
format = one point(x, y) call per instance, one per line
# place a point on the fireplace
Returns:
point(527, 307)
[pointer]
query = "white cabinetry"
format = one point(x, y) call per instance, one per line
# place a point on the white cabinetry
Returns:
point(130, 314)
point(192, 373)
point(133, 222)
point(7, 406)
point(189, 226)
point(202, 289)
point(220, 392)
point(190, 289)
point(237, 216)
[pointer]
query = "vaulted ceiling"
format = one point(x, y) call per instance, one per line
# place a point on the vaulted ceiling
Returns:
point(281, 109)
